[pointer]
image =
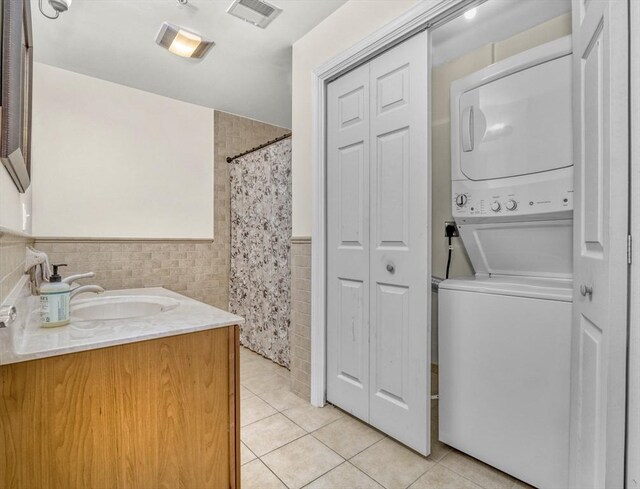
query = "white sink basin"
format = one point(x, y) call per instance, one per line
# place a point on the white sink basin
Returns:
point(120, 307)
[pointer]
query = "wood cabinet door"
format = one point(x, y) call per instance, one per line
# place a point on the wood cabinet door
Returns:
point(152, 414)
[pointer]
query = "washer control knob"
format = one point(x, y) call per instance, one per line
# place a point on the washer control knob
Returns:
point(495, 207)
point(511, 205)
point(461, 200)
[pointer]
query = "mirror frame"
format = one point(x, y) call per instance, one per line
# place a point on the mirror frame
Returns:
point(17, 82)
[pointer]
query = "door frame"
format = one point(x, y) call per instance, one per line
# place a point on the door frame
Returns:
point(424, 15)
point(633, 366)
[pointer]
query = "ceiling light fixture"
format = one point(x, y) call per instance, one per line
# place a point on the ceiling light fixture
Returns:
point(182, 42)
point(471, 13)
point(57, 5)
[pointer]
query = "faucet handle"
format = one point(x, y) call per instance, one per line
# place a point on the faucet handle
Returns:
point(8, 314)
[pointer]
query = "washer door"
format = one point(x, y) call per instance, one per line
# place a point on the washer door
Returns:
point(531, 249)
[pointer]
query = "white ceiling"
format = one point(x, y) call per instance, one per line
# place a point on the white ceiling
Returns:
point(247, 72)
point(495, 20)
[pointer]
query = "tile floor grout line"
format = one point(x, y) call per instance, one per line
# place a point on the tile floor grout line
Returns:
point(347, 459)
point(340, 465)
point(361, 470)
point(279, 410)
point(289, 443)
point(275, 475)
point(293, 421)
point(242, 385)
point(282, 446)
point(372, 445)
point(245, 445)
point(319, 428)
point(431, 466)
point(257, 420)
point(323, 474)
point(283, 413)
point(254, 422)
point(355, 455)
point(306, 433)
point(339, 455)
point(464, 476)
point(328, 424)
point(370, 477)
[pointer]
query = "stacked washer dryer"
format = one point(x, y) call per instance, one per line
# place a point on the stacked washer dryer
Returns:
point(504, 335)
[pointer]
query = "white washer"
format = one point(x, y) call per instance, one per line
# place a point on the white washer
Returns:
point(504, 352)
point(504, 335)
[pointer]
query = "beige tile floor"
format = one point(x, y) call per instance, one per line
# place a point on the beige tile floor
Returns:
point(287, 443)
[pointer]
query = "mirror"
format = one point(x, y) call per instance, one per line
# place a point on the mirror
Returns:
point(17, 65)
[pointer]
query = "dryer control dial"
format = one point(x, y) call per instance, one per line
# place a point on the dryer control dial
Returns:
point(511, 205)
point(495, 206)
point(461, 200)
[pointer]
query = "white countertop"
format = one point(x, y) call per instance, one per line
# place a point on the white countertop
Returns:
point(25, 340)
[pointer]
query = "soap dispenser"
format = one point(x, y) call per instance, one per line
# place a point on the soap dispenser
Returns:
point(54, 300)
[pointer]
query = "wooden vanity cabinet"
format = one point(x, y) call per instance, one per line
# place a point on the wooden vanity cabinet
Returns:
point(161, 413)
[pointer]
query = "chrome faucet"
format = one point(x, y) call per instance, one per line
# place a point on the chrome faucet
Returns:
point(78, 276)
point(86, 288)
point(79, 289)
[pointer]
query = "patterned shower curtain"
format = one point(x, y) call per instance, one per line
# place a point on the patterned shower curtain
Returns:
point(260, 288)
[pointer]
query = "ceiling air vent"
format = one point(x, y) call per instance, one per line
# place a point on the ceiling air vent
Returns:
point(256, 12)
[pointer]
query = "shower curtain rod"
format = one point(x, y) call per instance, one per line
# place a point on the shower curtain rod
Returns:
point(268, 143)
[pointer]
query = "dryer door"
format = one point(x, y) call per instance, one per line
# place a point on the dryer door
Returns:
point(518, 124)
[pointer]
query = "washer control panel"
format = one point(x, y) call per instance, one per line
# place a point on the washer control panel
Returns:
point(474, 200)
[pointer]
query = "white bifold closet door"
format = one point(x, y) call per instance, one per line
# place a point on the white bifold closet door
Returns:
point(378, 240)
point(601, 155)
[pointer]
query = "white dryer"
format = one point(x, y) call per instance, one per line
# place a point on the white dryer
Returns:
point(504, 335)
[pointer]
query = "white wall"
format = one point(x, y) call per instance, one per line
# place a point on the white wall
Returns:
point(345, 27)
point(113, 161)
point(15, 208)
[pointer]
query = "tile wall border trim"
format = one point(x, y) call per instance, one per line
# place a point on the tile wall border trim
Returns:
point(50, 239)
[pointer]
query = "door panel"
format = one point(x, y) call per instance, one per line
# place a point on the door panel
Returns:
point(351, 181)
point(352, 107)
point(392, 316)
point(351, 340)
point(591, 393)
point(593, 181)
point(400, 268)
point(393, 89)
point(600, 51)
point(393, 189)
point(348, 242)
